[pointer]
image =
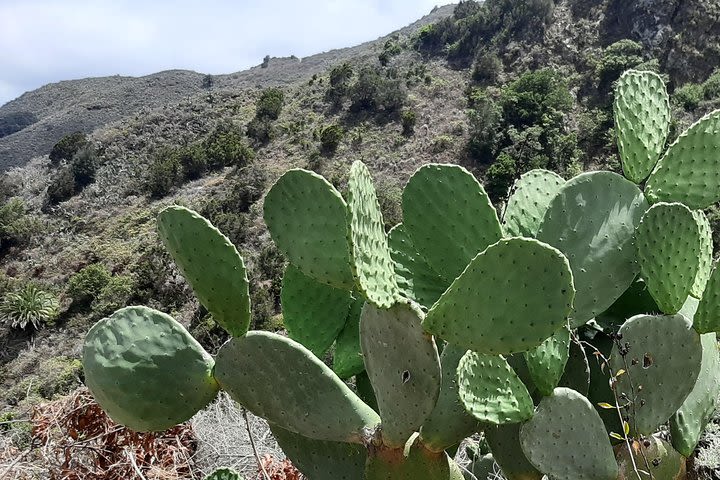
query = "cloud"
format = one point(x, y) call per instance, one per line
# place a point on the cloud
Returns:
point(43, 41)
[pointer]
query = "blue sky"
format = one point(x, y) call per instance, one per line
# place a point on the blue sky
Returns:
point(43, 41)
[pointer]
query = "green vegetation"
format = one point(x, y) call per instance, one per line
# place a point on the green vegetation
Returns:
point(522, 127)
point(79, 173)
point(267, 110)
point(28, 306)
point(330, 138)
point(376, 93)
point(409, 119)
point(85, 285)
point(16, 224)
point(67, 147)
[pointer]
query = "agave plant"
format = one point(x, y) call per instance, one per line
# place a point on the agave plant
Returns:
point(29, 305)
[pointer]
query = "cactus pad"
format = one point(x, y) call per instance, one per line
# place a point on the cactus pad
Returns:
point(303, 205)
point(529, 199)
point(688, 172)
point(663, 358)
point(707, 317)
point(504, 441)
point(449, 422)
point(372, 265)
point(566, 439)
point(663, 462)
point(348, 360)
point(412, 463)
point(322, 460)
point(194, 244)
point(705, 256)
point(224, 474)
point(449, 217)
point(403, 366)
point(491, 391)
point(314, 313)
point(592, 221)
point(546, 362)
point(527, 293)
point(314, 402)
point(146, 371)
point(668, 246)
point(415, 277)
point(690, 420)
point(642, 121)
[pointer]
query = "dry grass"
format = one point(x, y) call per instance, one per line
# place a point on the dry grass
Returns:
point(223, 440)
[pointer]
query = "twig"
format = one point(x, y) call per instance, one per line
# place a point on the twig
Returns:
point(131, 457)
point(15, 462)
point(252, 444)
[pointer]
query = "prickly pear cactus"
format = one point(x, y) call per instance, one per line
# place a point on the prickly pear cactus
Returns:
point(452, 324)
point(224, 474)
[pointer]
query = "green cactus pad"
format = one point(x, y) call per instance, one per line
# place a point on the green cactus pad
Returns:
point(146, 371)
point(449, 217)
point(634, 301)
point(413, 463)
point(529, 198)
point(690, 420)
point(504, 441)
point(348, 360)
point(642, 121)
point(322, 460)
point(372, 265)
point(546, 362)
point(664, 357)
point(592, 221)
point(688, 172)
point(663, 462)
point(224, 474)
point(314, 313)
point(415, 277)
point(449, 422)
point(404, 369)
point(491, 391)
point(303, 205)
point(313, 402)
point(707, 317)
point(577, 370)
point(527, 293)
point(705, 255)
point(566, 439)
point(194, 244)
point(668, 247)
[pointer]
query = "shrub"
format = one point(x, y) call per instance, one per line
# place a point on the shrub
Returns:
point(391, 48)
point(30, 305)
point(226, 146)
point(85, 285)
point(164, 173)
point(689, 96)
point(270, 103)
point(16, 225)
point(536, 97)
point(83, 167)
point(374, 92)
point(115, 294)
point(193, 160)
point(330, 138)
point(61, 187)
point(485, 116)
point(617, 58)
point(67, 147)
point(500, 176)
point(340, 76)
point(487, 69)
point(711, 86)
point(409, 119)
point(260, 130)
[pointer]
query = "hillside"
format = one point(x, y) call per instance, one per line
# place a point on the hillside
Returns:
point(527, 85)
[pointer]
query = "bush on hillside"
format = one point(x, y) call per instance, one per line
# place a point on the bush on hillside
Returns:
point(61, 187)
point(226, 146)
point(67, 147)
point(270, 103)
point(83, 166)
point(330, 138)
point(408, 119)
point(376, 93)
point(689, 96)
point(16, 225)
point(164, 173)
point(617, 58)
point(340, 77)
point(85, 285)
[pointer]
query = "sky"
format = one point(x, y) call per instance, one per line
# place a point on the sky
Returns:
point(44, 41)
